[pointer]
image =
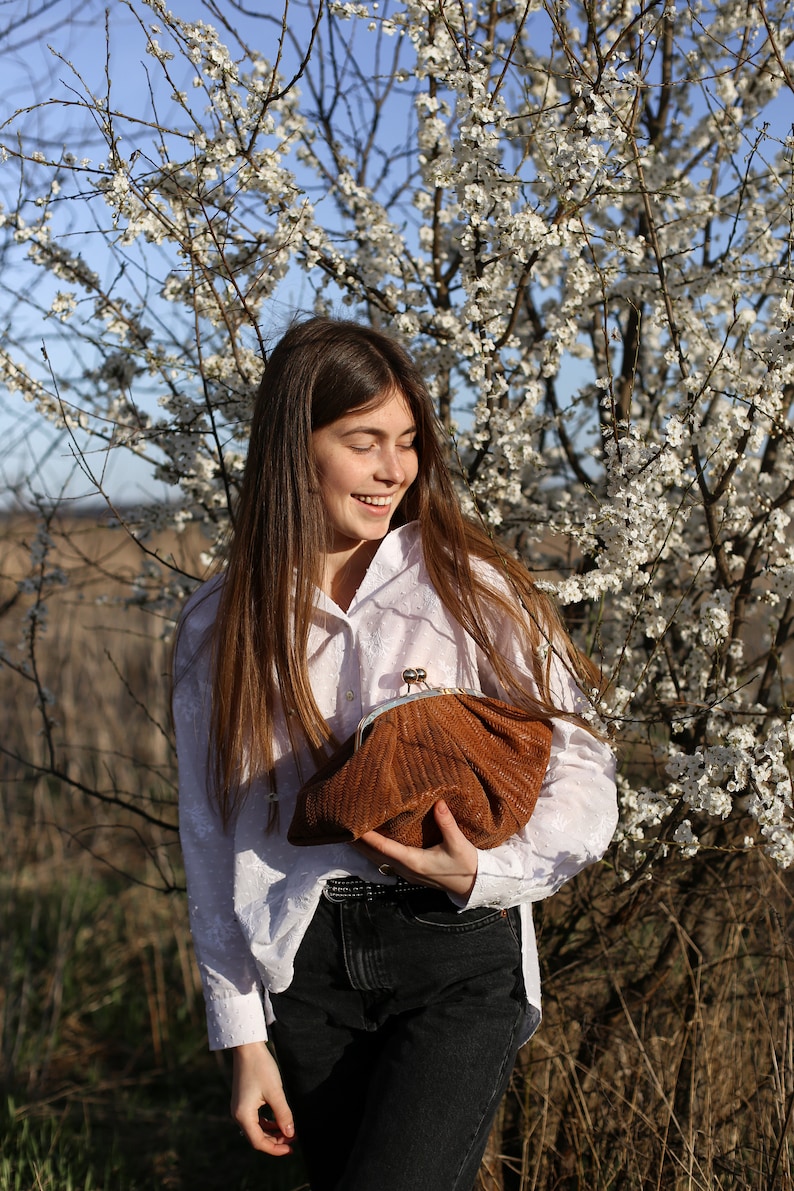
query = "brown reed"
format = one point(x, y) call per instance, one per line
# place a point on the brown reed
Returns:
point(666, 1056)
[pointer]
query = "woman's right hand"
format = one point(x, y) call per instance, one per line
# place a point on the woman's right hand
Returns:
point(257, 1083)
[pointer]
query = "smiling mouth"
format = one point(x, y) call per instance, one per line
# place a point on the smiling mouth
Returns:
point(379, 502)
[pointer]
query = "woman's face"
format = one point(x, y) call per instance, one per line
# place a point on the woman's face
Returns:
point(366, 462)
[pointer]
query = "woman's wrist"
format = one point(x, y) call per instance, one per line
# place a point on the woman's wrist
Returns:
point(249, 1050)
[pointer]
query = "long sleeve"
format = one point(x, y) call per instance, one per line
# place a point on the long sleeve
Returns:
point(235, 1013)
point(576, 813)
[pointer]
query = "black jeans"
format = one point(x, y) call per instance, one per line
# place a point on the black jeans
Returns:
point(396, 1040)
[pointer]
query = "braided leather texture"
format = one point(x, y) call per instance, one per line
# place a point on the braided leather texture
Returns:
point(485, 758)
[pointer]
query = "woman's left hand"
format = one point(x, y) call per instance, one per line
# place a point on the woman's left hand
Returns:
point(450, 865)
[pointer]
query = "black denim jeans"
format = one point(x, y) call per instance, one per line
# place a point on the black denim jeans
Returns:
point(396, 1040)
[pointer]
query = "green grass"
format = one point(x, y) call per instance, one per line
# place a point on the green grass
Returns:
point(58, 1152)
point(135, 1140)
point(108, 1083)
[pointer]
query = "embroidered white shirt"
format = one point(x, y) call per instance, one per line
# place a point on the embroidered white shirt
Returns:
point(252, 894)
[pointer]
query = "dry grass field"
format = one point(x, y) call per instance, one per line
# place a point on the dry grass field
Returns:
point(666, 1056)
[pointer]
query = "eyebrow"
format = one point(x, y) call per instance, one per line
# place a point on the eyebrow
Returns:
point(376, 431)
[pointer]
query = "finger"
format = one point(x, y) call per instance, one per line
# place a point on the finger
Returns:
point(376, 858)
point(266, 1136)
point(414, 861)
point(444, 816)
point(282, 1115)
point(447, 825)
point(393, 859)
point(269, 1137)
point(379, 848)
point(380, 844)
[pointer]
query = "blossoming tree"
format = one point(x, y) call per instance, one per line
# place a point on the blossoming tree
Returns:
point(580, 218)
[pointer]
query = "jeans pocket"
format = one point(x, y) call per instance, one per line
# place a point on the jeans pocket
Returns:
point(452, 921)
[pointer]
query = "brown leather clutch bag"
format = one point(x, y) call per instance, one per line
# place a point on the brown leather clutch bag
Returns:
point(485, 758)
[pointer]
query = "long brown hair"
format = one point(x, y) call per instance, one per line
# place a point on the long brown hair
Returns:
point(319, 371)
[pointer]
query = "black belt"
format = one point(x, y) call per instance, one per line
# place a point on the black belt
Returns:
point(353, 889)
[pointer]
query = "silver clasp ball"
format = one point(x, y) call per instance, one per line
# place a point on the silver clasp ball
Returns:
point(414, 675)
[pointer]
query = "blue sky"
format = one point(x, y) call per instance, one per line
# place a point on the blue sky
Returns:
point(33, 449)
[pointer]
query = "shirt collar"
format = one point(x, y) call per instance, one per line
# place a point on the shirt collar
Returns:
point(400, 548)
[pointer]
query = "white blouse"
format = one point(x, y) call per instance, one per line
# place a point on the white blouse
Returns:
point(251, 893)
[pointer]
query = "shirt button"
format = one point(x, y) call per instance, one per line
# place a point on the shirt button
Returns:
point(350, 696)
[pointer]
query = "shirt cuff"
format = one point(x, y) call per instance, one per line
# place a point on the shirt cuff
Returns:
point(236, 1020)
point(494, 886)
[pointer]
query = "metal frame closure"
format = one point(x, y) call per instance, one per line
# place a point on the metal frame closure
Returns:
point(411, 677)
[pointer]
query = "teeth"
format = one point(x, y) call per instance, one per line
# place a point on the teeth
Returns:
point(375, 500)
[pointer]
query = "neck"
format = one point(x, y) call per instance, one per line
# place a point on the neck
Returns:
point(344, 570)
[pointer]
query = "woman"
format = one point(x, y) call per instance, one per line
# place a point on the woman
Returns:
point(396, 983)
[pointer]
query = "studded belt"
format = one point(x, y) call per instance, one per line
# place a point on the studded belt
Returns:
point(353, 889)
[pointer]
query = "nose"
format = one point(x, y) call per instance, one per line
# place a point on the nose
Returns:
point(390, 466)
